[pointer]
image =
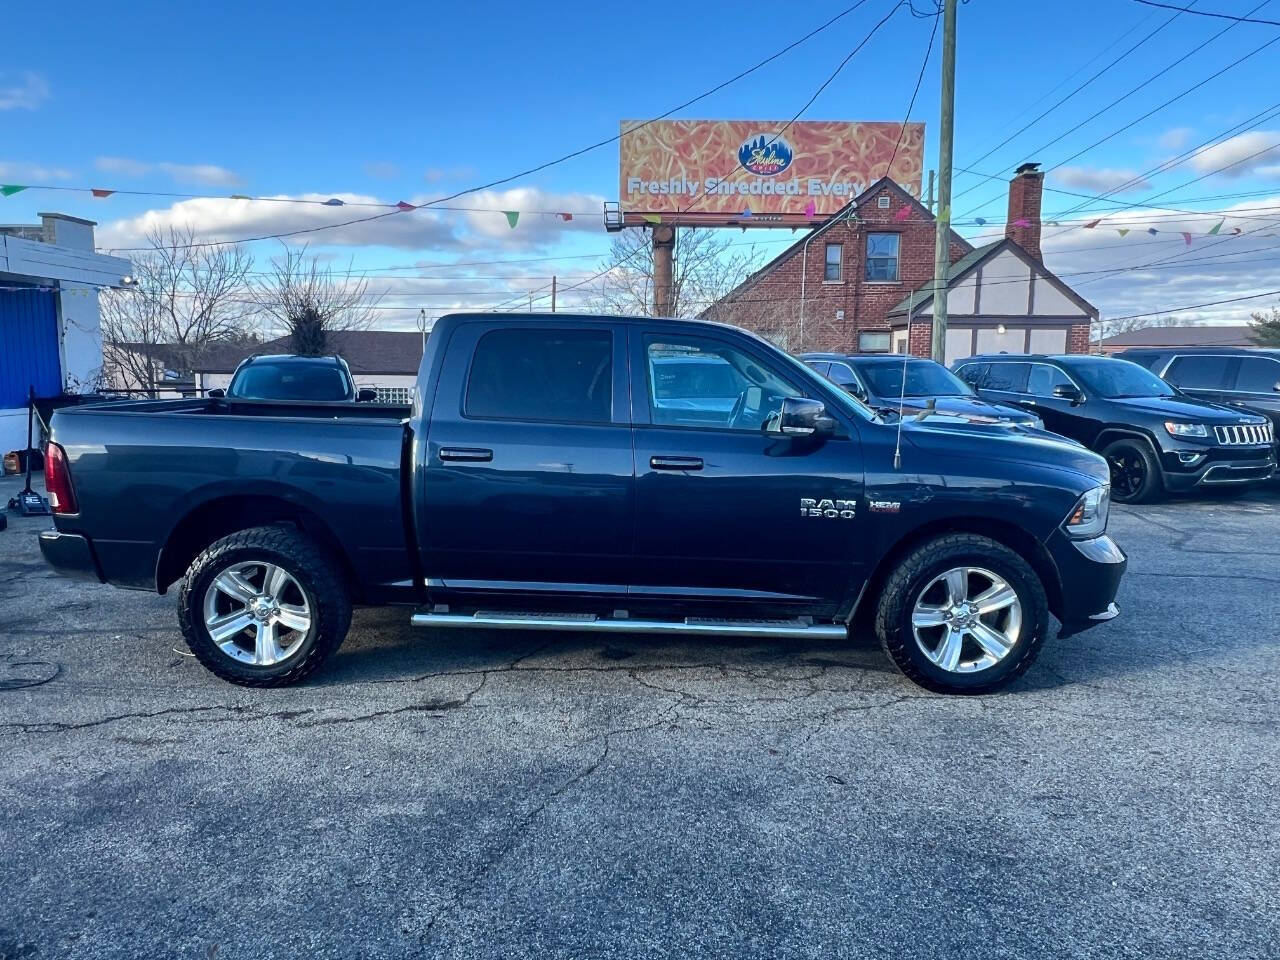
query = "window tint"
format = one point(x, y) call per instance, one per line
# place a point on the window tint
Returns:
point(1203, 373)
point(320, 379)
point(821, 366)
point(832, 271)
point(973, 374)
point(841, 374)
point(698, 382)
point(1006, 376)
point(1258, 375)
point(556, 375)
point(1116, 379)
point(882, 256)
point(1043, 378)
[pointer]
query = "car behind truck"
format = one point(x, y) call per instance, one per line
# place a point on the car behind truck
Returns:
point(552, 476)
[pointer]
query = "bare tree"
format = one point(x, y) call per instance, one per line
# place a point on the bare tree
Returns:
point(1265, 328)
point(311, 300)
point(703, 272)
point(1109, 328)
point(186, 299)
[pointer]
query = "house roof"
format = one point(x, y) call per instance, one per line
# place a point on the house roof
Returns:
point(1235, 336)
point(366, 351)
point(923, 295)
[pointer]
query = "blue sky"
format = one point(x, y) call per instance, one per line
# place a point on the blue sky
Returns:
point(397, 101)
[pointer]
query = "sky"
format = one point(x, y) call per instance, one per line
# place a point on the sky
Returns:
point(379, 103)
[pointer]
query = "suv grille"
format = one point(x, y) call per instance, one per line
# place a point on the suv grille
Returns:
point(1245, 433)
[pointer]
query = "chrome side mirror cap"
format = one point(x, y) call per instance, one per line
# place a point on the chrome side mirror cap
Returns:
point(801, 417)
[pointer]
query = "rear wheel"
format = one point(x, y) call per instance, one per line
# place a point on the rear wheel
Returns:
point(1135, 472)
point(264, 607)
point(962, 614)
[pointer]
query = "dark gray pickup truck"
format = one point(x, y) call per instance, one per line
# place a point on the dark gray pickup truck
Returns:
point(599, 474)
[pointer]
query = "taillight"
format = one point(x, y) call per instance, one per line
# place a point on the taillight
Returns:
point(57, 480)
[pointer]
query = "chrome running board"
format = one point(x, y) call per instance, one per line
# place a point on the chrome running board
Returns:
point(589, 623)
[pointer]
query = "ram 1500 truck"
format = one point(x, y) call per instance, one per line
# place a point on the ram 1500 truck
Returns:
point(590, 473)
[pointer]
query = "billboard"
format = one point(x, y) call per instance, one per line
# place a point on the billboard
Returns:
point(715, 171)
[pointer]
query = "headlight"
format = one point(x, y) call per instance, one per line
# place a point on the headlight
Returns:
point(1088, 518)
point(1177, 429)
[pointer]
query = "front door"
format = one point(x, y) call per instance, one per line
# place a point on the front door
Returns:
point(1059, 414)
point(725, 511)
point(527, 480)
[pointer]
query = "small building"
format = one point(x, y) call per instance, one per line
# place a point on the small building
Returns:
point(384, 360)
point(1163, 338)
point(50, 327)
point(862, 282)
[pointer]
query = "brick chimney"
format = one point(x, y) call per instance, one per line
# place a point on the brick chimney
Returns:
point(1023, 223)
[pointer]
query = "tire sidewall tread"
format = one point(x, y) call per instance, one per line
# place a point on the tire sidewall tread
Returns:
point(1154, 485)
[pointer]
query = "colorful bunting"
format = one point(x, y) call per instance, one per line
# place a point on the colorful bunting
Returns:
point(566, 217)
point(9, 189)
point(1186, 238)
point(333, 202)
point(746, 211)
point(1213, 232)
point(1235, 231)
point(648, 218)
point(1022, 222)
point(1122, 231)
point(240, 196)
point(1052, 223)
point(1152, 230)
point(409, 206)
point(101, 193)
point(513, 217)
point(810, 210)
point(1092, 223)
point(903, 212)
point(980, 221)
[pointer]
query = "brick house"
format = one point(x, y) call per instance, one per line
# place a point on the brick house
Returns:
point(862, 282)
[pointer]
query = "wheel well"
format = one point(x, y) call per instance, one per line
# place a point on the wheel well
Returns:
point(1112, 434)
point(1009, 534)
point(216, 519)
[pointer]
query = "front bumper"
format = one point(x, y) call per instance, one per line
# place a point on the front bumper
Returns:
point(1090, 573)
point(1217, 466)
point(70, 554)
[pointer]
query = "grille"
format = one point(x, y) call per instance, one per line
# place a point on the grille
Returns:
point(1244, 433)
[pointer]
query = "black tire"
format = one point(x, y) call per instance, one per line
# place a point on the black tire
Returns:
point(1135, 472)
point(316, 573)
point(918, 570)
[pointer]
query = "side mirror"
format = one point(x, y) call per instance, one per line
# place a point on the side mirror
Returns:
point(800, 417)
point(217, 393)
point(366, 395)
point(1065, 391)
point(1276, 386)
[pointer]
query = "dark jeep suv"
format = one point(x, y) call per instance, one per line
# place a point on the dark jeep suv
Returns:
point(1154, 437)
point(1242, 377)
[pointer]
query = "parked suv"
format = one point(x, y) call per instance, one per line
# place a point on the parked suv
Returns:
point(1240, 377)
point(887, 383)
point(1154, 438)
point(288, 376)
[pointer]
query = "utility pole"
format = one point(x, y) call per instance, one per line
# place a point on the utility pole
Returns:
point(946, 137)
point(553, 293)
point(664, 242)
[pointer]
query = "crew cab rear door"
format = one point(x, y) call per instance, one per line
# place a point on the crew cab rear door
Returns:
point(726, 512)
point(528, 475)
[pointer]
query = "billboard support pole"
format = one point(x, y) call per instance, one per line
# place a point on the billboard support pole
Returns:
point(664, 242)
point(946, 137)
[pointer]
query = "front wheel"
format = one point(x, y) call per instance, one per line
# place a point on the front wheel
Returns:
point(1135, 472)
point(962, 614)
point(264, 607)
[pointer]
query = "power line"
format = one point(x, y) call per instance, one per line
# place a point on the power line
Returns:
point(914, 93)
point(1194, 306)
point(1207, 13)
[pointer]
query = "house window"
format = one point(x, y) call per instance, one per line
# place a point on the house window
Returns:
point(832, 272)
point(873, 341)
point(882, 257)
point(401, 395)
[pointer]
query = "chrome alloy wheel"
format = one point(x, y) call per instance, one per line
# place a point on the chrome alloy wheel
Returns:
point(967, 619)
point(257, 613)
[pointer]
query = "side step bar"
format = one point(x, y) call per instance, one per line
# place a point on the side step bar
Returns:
point(777, 629)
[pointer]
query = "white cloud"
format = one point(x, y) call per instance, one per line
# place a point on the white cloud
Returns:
point(382, 170)
point(1106, 179)
point(19, 172)
point(1175, 139)
point(206, 174)
point(22, 90)
point(1241, 155)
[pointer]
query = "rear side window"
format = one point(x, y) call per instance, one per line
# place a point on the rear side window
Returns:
point(1203, 373)
point(1007, 376)
point(820, 366)
point(561, 376)
point(841, 374)
point(974, 374)
point(1258, 375)
point(1043, 378)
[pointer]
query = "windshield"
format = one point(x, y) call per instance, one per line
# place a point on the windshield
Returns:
point(924, 379)
point(317, 380)
point(1118, 379)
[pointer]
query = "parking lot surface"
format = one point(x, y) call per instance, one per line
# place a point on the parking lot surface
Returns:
point(520, 795)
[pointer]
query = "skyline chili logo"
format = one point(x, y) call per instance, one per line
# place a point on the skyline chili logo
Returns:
point(765, 154)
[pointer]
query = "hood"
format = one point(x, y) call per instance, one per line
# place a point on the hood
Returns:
point(969, 408)
point(962, 438)
point(1185, 408)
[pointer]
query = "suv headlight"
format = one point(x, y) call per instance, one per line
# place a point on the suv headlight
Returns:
point(1088, 518)
point(1177, 429)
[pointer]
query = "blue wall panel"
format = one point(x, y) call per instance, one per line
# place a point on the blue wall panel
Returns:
point(28, 346)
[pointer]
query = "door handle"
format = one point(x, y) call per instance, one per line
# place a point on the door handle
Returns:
point(675, 463)
point(466, 454)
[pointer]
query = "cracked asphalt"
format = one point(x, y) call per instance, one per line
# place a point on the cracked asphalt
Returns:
point(509, 795)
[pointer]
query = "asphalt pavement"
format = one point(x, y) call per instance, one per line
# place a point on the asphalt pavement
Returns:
point(526, 795)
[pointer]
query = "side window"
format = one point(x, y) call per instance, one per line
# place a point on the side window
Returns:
point(832, 271)
point(819, 366)
point(539, 374)
point(1199, 372)
point(1043, 378)
point(974, 374)
point(1011, 377)
point(701, 382)
point(882, 256)
point(1258, 375)
point(841, 374)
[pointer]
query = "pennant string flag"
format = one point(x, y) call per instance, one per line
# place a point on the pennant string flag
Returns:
point(746, 211)
point(9, 189)
point(333, 202)
point(513, 217)
point(1022, 222)
point(1186, 238)
point(1122, 231)
point(980, 221)
point(1092, 223)
point(566, 217)
point(1152, 230)
point(649, 218)
point(903, 213)
point(1213, 231)
point(240, 196)
point(406, 206)
point(101, 193)
point(810, 210)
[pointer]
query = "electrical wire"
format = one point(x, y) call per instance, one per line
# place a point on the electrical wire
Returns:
point(1208, 13)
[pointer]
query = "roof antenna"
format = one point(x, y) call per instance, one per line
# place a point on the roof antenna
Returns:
point(902, 389)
